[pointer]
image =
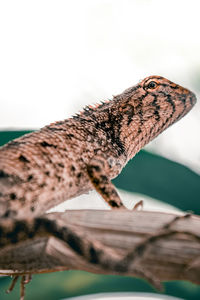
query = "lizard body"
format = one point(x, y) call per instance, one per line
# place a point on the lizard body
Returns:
point(71, 157)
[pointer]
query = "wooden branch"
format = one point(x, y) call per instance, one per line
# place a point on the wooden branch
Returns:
point(155, 245)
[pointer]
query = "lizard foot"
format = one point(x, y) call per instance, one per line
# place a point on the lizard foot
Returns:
point(24, 280)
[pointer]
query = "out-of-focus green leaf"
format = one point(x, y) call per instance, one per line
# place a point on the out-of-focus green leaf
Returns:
point(66, 284)
point(162, 179)
point(6, 136)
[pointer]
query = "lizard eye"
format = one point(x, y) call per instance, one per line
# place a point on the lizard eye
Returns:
point(152, 85)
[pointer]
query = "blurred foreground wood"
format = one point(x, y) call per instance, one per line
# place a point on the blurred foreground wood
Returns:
point(164, 245)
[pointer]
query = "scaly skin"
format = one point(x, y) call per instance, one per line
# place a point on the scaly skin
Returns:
point(71, 157)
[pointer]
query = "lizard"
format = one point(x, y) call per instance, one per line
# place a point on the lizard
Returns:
point(71, 157)
point(68, 158)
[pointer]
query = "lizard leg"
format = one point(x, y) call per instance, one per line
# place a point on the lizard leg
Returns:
point(97, 173)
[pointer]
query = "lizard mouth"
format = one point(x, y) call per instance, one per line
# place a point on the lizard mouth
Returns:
point(189, 103)
point(192, 99)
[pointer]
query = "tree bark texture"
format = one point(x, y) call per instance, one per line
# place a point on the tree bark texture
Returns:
point(156, 245)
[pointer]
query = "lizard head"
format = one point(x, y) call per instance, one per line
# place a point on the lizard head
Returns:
point(152, 106)
point(169, 100)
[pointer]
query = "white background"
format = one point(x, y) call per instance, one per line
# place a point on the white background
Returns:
point(57, 56)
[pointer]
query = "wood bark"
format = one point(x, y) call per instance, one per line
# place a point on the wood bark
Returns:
point(163, 246)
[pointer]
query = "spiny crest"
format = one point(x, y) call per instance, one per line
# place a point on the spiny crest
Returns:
point(92, 107)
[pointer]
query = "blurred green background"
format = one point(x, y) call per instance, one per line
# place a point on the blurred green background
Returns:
point(147, 174)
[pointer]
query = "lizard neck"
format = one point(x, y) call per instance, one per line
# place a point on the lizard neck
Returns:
point(140, 132)
point(117, 124)
point(123, 125)
point(104, 123)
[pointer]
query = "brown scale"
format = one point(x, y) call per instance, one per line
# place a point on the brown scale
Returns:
point(71, 157)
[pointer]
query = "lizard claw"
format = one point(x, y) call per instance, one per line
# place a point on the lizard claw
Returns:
point(139, 204)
